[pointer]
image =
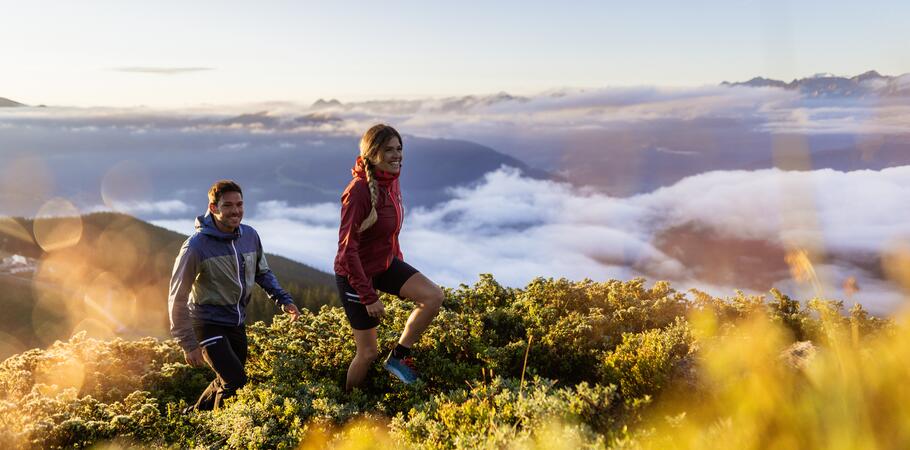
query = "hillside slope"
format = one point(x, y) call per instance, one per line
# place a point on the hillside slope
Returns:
point(7, 103)
point(108, 273)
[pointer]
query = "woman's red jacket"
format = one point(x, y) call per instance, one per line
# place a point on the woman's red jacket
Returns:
point(362, 255)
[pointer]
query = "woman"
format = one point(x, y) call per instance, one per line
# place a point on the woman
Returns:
point(369, 258)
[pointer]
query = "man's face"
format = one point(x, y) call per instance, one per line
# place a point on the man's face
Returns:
point(228, 212)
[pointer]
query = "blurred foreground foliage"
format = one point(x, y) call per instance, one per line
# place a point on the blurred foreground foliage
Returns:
point(557, 364)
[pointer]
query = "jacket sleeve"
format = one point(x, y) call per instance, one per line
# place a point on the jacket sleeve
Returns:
point(182, 278)
point(355, 207)
point(267, 280)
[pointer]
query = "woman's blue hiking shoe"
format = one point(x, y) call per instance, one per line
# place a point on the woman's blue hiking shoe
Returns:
point(403, 369)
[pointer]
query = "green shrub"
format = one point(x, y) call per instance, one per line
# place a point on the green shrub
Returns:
point(592, 356)
point(503, 412)
point(644, 363)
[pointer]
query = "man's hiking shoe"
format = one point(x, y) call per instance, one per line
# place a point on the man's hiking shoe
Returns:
point(403, 369)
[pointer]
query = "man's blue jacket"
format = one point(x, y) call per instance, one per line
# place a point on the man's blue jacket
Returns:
point(213, 277)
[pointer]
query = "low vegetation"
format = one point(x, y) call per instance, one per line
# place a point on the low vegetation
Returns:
point(556, 364)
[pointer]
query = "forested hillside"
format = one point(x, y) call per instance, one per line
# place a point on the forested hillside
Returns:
point(108, 274)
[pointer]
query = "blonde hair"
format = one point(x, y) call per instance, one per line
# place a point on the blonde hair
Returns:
point(371, 144)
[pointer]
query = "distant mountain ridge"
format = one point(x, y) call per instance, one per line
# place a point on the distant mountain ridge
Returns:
point(7, 103)
point(446, 104)
point(825, 85)
point(283, 164)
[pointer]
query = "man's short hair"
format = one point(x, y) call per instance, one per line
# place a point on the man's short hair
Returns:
point(220, 187)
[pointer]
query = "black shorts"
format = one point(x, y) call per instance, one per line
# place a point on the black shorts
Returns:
point(389, 282)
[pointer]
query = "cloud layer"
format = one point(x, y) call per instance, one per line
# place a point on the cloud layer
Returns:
point(669, 183)
point(519, 228)
point(623, 140)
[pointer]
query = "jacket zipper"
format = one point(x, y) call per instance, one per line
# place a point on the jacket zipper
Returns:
point(398, 215)
point(239, 283)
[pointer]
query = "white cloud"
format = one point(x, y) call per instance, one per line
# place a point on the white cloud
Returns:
point(314, 245)
point(315, 214)
point(858, 210)
point(234, 146)
point(474, 117)
point(518, 228)
point(165, 207)
point(183, 226)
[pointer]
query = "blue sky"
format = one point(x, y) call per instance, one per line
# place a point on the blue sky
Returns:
point(75, 53)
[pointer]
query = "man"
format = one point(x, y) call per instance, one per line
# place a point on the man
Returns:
point(210, 288)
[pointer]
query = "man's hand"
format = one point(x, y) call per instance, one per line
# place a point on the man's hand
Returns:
point(194, 358)
point(376, 309)
point(292, 310)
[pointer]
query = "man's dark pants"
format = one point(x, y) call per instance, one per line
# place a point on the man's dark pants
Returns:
point(225, 349)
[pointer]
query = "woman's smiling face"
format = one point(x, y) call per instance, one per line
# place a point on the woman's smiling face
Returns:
point(391, 156)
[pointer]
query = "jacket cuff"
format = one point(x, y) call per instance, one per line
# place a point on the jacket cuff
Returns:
point(285, 301)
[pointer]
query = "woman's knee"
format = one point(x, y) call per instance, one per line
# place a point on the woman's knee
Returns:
point(366, 344)
point(367, 354)
point(433, 299)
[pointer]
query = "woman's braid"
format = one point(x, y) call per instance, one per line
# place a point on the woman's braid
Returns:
point(374, 195)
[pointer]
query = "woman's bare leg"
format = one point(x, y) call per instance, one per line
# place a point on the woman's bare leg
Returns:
point(428, 297)
point(367, 352)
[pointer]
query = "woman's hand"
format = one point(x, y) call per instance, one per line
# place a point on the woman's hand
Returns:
point(376, 309)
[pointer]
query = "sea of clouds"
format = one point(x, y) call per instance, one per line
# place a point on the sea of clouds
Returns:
point(519, 228)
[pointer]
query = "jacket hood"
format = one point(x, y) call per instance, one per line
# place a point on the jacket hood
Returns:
point(205, 224)
point(384, 178)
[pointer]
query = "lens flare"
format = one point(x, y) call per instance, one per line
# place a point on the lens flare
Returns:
point(801, 231)
point(61, 373)
point(109, 302)
point(149, 316)
point(25, 183)
point(851, 287)
point(122, 250)
point(57, 288)
point(9, 345)
point(896, 263)
point(802, 270)
point(63, 271)
point(58, 225)
point(95, 329)
point(316, 437)
point(54, 313)
point(362, 435)
point(164, 261)
point(11, 227)
point(869, 146)
point(124, 185)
